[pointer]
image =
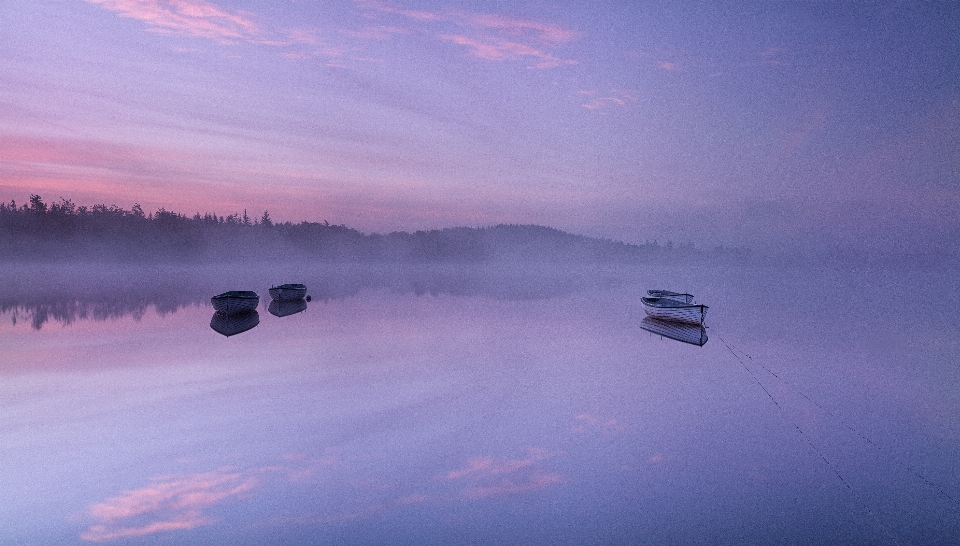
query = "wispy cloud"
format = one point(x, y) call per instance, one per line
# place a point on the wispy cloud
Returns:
point(614, 97)
point(592, 423)
point(492, 466)
point(544, 32)
point(381, 32)
point(485, 477)
point(774, 56)
point(491, 48)
point(490, 37)
point(190, 17)
point(203, 19)
point(420, 15)
point(687, 62)
point(669, 61)
point(509, 486)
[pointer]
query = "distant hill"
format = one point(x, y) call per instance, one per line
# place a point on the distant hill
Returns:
point(65, 232)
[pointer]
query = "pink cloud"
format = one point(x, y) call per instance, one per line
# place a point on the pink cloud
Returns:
point(492, 37)
point(594, 423)
point(175, 504)
point(190, 17)
point(490, 465)
point(387, 8)
point(512, 487)
point(490, 476)
point(414, 498)
point(78, 153)
point(374, 32)
point(494, 49)
point(203, 19)
point(95, 170)
point(616, 97)
point(478, 464)
point(303, 37)
point(544, 32)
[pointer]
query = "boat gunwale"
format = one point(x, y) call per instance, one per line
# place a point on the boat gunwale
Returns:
point(668, 294)
point(290, 286)
point(237, 294)
point(669, 303)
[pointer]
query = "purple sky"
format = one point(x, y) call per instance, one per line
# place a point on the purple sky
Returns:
point(718, 122)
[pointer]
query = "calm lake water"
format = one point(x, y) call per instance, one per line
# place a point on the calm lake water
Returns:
point(487, 408)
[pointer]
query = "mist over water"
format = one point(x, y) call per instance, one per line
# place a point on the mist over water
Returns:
point(500, 402)
point(63, 292)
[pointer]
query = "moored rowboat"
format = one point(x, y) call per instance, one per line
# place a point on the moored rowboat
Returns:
point(235, 301)
point(288, 292)
point(674, 310)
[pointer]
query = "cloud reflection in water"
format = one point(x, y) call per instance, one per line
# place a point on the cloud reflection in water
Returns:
point(165, 505)
point(493, 477)
point(183, 503)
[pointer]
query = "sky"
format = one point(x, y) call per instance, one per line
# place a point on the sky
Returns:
point(771, 123)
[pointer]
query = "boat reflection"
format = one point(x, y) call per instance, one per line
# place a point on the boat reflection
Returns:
point(234, 324)
point(285, 308)
point(694, 334)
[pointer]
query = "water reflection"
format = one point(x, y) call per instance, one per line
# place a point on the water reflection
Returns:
point(169, 504)
point(694, 334)
point(76, 292)
point(68, 308)
point(233, 324)
point(501, 281)
point(463, 419)
point(184, 502)
point(286, 308)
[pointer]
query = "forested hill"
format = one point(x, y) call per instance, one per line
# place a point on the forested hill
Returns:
point(63, 231)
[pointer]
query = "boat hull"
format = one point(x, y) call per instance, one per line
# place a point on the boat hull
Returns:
point(280, 308)
point(673, 310)
point(694, 334)
point(233, 324)
point(288, 292)
point(234, 302)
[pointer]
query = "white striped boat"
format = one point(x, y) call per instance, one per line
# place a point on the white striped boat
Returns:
point(685, 298)
point(694, 334)
point(674, 310)
point(288, 292)
point(235, 301)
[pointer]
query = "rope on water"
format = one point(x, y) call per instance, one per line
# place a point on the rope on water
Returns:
point(811, 444)
point(862, 436)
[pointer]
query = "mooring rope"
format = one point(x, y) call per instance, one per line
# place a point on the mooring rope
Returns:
point(862, 436)
point(810, 442)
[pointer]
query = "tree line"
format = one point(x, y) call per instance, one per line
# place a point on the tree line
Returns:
point(64, 231)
